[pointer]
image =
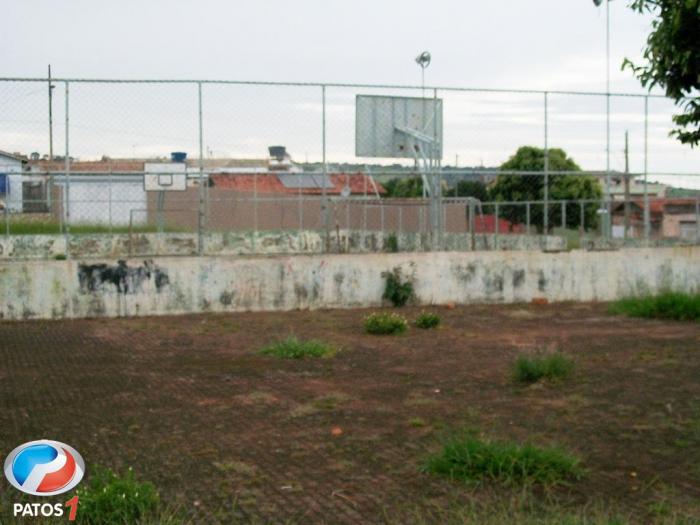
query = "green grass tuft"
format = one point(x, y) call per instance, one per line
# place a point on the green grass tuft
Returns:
point(670, 305)
point(427, 320)
point(107, 498)
point(469, 458)
point(530, 369)
point(293, 348)
point(384, 323)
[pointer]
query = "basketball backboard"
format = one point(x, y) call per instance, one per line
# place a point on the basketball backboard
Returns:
point(161, 176)
point(398, 127)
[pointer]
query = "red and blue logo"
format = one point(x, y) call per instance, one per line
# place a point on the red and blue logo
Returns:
point(44, 468)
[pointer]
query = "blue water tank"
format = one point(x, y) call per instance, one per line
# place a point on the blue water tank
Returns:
point(178, 156)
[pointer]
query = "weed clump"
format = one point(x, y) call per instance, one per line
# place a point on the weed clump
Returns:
point(427, 320)
point(530, 369)
point(396, 290)
point(293, 348)
point(107, 499)
point(385, 323)
point(670, 305)
point(469, 458)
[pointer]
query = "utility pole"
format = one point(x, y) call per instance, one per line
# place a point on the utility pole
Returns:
point(51, 86)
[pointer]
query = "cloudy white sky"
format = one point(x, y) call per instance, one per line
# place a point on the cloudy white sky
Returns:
point(540, 44)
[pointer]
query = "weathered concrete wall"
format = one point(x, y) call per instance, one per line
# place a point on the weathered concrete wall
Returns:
point(247, 243)
point(174, 285)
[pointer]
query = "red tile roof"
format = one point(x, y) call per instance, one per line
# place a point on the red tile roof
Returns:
point(270, 183)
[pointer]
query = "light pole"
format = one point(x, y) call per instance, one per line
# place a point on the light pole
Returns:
point(423, 60)
point(607, 219)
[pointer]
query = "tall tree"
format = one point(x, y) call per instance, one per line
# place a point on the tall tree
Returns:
point(469, 188)
point(672, 60)
point(522, 188)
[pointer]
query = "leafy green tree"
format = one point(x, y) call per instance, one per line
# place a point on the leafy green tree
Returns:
point(469, 188)
point(672, 60)
point(405, 187)
point(521, 188)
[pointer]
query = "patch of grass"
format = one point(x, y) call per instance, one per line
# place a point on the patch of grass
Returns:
point(293, 348)
point(107, 498)
point(530, 369)
point(417, 422)
point(670, 305)
point(468, 458)
point(427, 320)
point(396, 290)
point(385, 323)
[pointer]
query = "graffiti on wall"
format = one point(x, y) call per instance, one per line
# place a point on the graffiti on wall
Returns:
point(120, 277)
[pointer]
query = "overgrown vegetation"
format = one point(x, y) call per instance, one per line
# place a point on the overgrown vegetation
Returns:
point(530, 369)
point(427, 320)
point(385, 323)
point(469, 458)
point(109, 499)
point(391, 244)
point(396, 290)
point(670, 305)
point(293, 348)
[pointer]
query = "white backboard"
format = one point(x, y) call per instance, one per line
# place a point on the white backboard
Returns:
point(395, 127)
point(162, 176)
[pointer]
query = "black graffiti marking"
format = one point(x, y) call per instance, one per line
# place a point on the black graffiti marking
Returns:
point(94, 277)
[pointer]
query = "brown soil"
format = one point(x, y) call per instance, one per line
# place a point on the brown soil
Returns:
point(190, 404)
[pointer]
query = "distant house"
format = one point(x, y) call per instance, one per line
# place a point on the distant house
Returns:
point(11, 190)
point(668, 218)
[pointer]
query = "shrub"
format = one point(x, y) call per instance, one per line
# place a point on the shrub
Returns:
point(468, 458)
point(380, 323)
point(529, 369)
point(395, 290)
point(293, 348)
point(427, 320)
point(669, 305)
point(392, 243)
point(108, 499)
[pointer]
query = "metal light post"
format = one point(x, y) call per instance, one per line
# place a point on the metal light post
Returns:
point(608, 210)
point(423, 60)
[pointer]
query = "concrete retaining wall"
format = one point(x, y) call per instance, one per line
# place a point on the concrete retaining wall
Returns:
point(247, 243)
point(72, 289)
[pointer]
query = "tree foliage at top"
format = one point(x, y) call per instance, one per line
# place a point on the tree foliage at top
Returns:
point(404, 188)
point(521, 188)
point(469, 188)
point(672, 60)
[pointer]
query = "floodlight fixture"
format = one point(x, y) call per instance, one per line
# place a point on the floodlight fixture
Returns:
point(423, 60)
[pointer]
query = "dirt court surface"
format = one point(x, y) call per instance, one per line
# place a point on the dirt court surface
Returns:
point(232, 435)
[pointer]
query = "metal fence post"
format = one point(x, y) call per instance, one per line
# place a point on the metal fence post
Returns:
point(497, 227)
point(647, 215)
point(200, 222)
point(563, 214)
point(527, 217)
point(324, 204)
point(582, 219)
point(67, 176)
point(546, 163)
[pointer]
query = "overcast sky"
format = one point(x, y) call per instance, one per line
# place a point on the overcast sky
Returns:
point(540, 44)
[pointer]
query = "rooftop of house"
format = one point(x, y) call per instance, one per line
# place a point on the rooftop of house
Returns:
point(305, 183)
point(661, 206)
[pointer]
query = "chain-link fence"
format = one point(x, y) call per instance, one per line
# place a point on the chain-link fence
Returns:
point(185, 167)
